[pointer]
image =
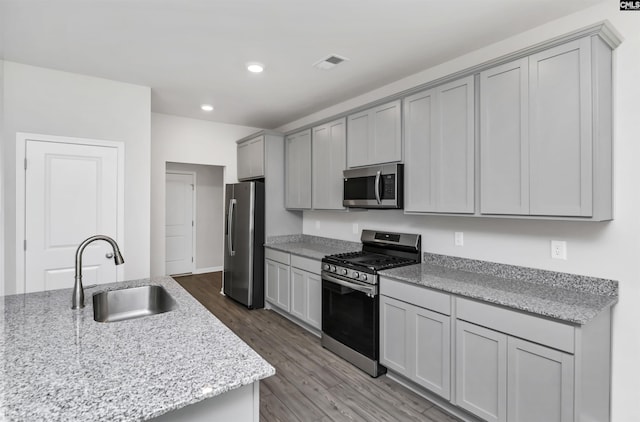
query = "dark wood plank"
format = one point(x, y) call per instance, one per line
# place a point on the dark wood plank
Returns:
point(311, 383)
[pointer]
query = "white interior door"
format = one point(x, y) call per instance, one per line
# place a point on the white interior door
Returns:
point(71, 193)
point(179, 223)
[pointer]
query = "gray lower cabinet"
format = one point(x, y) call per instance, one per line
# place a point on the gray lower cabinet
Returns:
point(439, 129)
point(328, 162)
point(374, 136)
point(306, 299)
point(415, 335)
point(415, 343)
point(481, 371)
point(298, 170)
point(294, 285)
point(539, 383)
point(277, 289)
point(545, 140)
point(504, 378)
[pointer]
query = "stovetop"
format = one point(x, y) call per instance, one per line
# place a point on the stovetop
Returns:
point(368, 260)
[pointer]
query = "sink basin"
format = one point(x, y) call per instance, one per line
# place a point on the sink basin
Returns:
point(133, 302)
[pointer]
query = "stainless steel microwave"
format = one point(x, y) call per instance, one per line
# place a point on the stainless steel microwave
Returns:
point(379, 186)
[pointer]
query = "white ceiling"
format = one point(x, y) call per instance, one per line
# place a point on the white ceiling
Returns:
point(194, 51)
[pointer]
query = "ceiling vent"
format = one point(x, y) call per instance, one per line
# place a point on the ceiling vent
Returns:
point(329, 62)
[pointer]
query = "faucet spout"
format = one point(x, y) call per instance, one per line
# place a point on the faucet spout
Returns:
point(77, 300)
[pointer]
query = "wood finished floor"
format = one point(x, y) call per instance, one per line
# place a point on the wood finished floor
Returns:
point(311, 384)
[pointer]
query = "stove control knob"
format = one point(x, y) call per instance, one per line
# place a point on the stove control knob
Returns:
point(332, 269)
point(355, 274)
point(344, 271)
point(364, 277)
point(326, 267)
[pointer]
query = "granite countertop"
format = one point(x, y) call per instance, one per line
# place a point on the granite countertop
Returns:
point(545, 297)
point(314, 247)
point(61, 365)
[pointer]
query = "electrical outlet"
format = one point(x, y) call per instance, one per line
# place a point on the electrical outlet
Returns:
point(458, 238)
point(317, 224)
point(355, 229)
point(558, 249)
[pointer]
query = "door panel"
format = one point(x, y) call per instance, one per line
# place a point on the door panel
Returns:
point(179, 223)
point(71, 193)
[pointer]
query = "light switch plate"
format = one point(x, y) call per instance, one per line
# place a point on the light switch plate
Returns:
point(355, 228)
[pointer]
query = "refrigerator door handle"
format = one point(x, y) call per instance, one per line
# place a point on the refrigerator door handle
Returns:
point(231, 212)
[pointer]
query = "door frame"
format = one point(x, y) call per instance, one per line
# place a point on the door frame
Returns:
point(194, 227)
point(21, 154)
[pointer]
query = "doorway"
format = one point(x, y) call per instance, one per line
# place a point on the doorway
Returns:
point(67, 190)
point(180, 222)
point(208, 219)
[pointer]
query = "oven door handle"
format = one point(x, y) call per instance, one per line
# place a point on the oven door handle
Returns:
point(370, 290)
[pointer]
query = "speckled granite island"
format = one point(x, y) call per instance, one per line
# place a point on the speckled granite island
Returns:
point(61, 365)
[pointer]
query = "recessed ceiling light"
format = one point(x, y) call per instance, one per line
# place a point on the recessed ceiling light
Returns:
point(206, 107)
point(255, 67)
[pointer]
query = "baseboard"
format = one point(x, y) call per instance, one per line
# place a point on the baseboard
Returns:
point(208, 270)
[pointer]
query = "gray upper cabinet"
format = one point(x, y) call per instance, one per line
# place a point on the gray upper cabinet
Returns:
point(545, 133)
point(329, 160)
point(374, 136)
point(439, 127)
point(561, 133)
point(298, 170)
point(251, 159)
point(504, 139)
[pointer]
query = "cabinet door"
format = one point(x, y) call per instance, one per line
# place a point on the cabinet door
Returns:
point(314, 300)
point(244, 170)
point(298, 170)
point(298, 306)
point(418, 140)
point(439, 136)
point(386, 144)
point(431, 348)
point(329, 160)
point(358, 135)
point(481, 371)
point(256, 157)
point(453, 148)
point(394, 328)
point(283, 300)
point(540, 383)
point(504, 139)
point(271, 281)
point(561, 130)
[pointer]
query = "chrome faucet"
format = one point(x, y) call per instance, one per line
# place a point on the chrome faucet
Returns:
point(77, 300)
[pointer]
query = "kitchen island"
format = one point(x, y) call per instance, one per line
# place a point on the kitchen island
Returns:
point(61, 365)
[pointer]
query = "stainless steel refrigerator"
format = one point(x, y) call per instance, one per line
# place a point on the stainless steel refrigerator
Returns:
point(243, 246)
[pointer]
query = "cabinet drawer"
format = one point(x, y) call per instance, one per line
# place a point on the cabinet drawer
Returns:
point(306, 264)
point(419, 296)
point(278, 256)
point(539, 330)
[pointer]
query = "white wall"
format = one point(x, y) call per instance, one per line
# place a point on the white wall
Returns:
point(46, 101)
point(209, 228)
point(609, 249)
point(184, 140)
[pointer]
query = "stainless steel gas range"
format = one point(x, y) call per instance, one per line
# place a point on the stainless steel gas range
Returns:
point(350, 303)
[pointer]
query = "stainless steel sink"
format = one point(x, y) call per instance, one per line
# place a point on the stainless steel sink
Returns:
point(133, 302)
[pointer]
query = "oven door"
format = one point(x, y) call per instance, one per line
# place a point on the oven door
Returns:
point(350, 314)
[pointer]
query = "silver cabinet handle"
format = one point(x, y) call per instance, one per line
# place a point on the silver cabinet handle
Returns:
point(232, 207)
point(377, 187)
point(108, 255)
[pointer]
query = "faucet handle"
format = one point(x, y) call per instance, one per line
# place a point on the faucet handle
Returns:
point(109, 255)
